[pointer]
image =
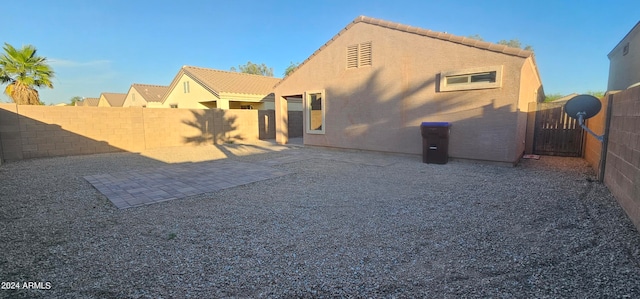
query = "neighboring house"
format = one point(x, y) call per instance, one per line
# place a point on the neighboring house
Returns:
point(624, 61)
point(88, 102)
point(140, 95)
point(566, 98)
point(202, 88)
point(110, 99)
point(372, 85)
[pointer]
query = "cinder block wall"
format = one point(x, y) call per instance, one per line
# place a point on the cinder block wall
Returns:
point(10, 137)
point(45, 131)
point(622, 169)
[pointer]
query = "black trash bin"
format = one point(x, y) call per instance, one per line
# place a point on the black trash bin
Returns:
point(435, 142)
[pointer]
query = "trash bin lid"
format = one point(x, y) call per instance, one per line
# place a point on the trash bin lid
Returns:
point(435, 124)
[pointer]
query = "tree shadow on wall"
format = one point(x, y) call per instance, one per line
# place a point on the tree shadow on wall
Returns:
point(380, 112)
point(214, 126)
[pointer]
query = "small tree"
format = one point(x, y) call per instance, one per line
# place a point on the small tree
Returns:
point(597, 94)
point(291, 68)
point(476, 36)
point(74, 100)
point(252, 68)
point(515, 43)
point(552, 97)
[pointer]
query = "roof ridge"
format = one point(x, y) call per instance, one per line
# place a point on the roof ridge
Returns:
point(445, 36)
point(155, 85)
point(423, 32)
point(229, 72)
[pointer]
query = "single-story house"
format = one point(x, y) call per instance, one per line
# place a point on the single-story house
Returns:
point(624, 61)
point(110, 99)
point(372, 85)
point(203, 88)
point(139, 95)
point(88, 102)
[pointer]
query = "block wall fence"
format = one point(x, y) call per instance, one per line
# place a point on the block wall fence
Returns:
point(621, 168)
point(49, 131)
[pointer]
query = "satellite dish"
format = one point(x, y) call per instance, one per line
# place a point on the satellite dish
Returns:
point(583, 105)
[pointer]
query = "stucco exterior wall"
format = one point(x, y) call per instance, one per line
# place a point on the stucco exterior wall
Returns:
point(592, 146)
point(190, 100)
point(381, 107)
point(624, 69)
point(134, 99)
point(102, 102)
point(531, 92)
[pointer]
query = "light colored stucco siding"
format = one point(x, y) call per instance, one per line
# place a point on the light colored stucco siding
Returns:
point(530, 92)
point(134, 99)
point(191, 100)
point(381, 107)
point(102, 102)
point(624, 70)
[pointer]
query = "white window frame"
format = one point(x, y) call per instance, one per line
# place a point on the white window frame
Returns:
point(470, 72)
point(307, 110)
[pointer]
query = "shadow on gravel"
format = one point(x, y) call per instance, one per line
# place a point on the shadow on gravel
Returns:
point(334, 227)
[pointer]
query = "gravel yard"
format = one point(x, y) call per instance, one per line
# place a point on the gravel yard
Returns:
point(340, 224)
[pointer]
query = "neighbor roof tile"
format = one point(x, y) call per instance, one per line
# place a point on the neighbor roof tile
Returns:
point(151, 93)
point(115, 99)
point(232, 82)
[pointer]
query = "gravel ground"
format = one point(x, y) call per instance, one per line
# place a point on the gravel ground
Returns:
point(543, 229)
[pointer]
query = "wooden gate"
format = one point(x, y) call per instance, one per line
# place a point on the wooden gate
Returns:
point(556, 134)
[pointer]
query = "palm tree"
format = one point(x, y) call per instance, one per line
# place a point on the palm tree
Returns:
point(24, 71)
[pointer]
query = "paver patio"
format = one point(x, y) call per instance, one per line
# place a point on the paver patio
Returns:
point(147, 186)
point(153, 185)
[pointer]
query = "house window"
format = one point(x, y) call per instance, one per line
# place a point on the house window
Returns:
point(247, 107)
point(315, 106)
point(133, 97)
point(472, 78)
point(475, 78)
point(359, 55)
point(173, 105)
point(185, 86)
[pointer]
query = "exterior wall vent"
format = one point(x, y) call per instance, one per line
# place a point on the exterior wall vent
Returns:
point(359, 55)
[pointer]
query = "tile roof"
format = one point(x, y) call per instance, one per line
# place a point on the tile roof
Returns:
point(91, 102)
point(151, 93)
point(443, 36)
point(115, 99)
point(231, 82)
point(427, 33)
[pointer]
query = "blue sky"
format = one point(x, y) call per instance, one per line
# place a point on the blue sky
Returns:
point(99, 46)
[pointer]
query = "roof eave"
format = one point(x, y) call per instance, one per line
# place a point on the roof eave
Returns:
point(419, 31)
